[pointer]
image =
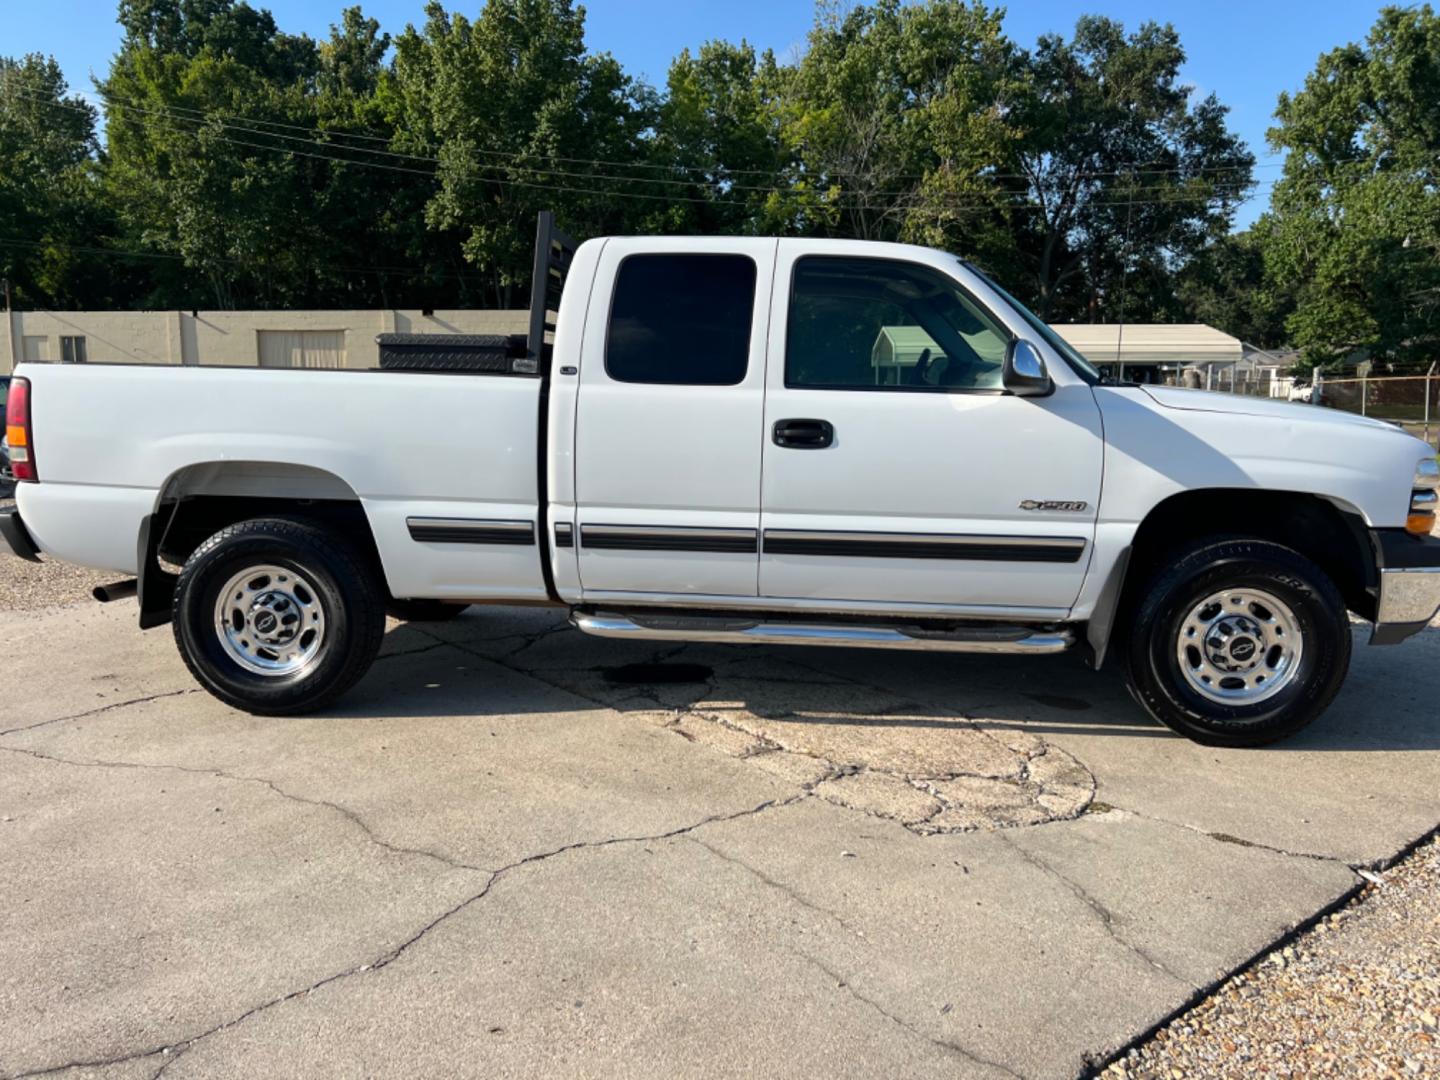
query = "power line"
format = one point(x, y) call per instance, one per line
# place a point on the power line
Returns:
point(842, 200)
point(519, 157)
point(130, 253)
point(237, 122)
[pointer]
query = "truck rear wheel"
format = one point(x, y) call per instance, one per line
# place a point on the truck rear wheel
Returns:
point(277, 616)
point(1237, 642)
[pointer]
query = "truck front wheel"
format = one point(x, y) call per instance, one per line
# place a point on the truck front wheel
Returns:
point(1237, 642)
point(277, 616)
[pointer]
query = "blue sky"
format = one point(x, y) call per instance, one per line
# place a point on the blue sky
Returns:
point(1245, 52)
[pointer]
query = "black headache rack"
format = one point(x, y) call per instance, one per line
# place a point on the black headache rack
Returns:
point(495, 354)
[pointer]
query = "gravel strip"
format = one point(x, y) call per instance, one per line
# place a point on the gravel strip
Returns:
point(27, 586)
point(1357, 996)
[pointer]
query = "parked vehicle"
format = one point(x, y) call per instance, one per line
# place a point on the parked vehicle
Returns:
point(743, 440)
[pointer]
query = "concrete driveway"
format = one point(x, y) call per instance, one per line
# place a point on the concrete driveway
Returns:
point(517, 851)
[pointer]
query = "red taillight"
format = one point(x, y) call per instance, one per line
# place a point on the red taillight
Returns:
point(18, 432)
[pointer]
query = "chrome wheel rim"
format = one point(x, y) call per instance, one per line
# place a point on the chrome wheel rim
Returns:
point(1239, 646)
point(270, 621)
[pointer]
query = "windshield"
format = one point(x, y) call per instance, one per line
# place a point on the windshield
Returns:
point(1082, 367)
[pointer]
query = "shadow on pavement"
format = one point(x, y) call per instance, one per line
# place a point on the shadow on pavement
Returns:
point(1388, 703)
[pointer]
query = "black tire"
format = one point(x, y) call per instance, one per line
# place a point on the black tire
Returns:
point(1188, 577)
point(346, 588)
point(424, 610)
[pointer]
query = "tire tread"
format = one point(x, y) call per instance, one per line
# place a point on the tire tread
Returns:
point(1190, 561)
point(342, 560)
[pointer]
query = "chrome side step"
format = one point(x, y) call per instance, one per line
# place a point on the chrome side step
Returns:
point(977, 638)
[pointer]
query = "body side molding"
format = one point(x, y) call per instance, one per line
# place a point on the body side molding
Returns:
point(668, 538)
point(878, 545)
point(431, 530)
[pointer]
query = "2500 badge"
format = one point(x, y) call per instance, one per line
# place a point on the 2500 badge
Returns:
point(1058, 506)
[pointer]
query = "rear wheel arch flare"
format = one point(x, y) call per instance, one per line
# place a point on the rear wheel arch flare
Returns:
point(202, 498)
point(274, 479)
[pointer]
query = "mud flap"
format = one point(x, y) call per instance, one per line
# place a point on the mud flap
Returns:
point(156, 588)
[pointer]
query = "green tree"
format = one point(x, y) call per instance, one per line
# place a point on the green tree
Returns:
point(1227, 287)
point(1123, 178)
point(1356, 213)
point(51, 201)
point(897, 115)
point(522, 118)
point(188, 100)
point(259, 168)
point(262, 161)
point(352, 60)
point(718, 148)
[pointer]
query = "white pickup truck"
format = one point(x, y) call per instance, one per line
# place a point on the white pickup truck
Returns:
point(741, 440)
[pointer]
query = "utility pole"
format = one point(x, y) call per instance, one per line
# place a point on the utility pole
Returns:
point(1124, 278)
point(1428, 376)
point(9, 324)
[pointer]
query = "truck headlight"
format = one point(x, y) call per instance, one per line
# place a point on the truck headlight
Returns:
point(1424, 497)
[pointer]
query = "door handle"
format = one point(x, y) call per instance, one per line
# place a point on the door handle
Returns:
point(803, 434)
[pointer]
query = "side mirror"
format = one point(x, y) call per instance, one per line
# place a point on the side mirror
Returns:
point(1024, 374)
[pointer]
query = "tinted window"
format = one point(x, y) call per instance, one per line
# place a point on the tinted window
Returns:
point(1078, 363)
point(681, 319)
point(878, 324)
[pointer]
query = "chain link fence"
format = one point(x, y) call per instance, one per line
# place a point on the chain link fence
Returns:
point(1411, 401)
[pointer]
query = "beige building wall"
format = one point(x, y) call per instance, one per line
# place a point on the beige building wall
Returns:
point(231, 338)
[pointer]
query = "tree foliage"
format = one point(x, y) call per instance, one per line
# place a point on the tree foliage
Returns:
point(896, 115)
point(1227, 286)
point(1124, 178)
point(719, 157)
point(1355, 220)
point(521, 118)
point(244, 166)
point(50, 199)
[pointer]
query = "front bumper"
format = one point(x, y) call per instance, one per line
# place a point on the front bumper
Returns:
point(1409, 571)
point(17, 536)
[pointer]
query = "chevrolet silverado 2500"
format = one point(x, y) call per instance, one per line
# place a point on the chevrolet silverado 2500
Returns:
point(741, 440)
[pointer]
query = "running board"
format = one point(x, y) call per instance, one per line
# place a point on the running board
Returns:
point(975, 638)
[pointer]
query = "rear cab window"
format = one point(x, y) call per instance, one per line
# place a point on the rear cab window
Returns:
point(681, 319)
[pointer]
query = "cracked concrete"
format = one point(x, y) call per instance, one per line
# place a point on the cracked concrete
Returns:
point(932, 771)
point(1357, 786)
point(490, 859)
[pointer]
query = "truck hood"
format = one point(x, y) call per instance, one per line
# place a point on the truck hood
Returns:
point(1240, 405)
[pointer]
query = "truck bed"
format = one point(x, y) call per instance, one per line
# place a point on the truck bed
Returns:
point(445, 466)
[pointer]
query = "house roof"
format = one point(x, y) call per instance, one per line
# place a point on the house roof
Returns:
point(1150, 343)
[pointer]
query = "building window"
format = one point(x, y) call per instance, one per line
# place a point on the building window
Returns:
point(302, 348)
point(681, 320)
point(72, 350)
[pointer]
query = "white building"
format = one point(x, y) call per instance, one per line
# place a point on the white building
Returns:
point(336, 339)
point(1160, 352)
